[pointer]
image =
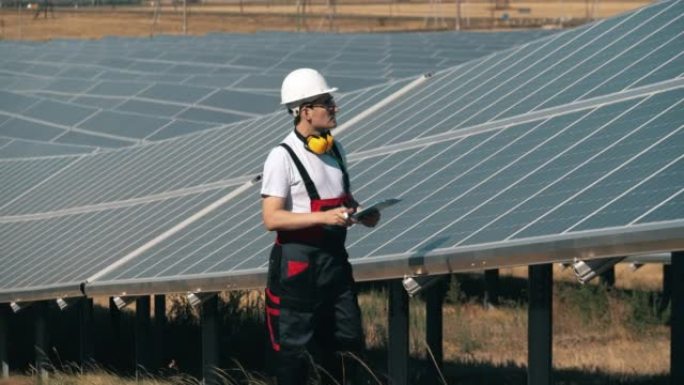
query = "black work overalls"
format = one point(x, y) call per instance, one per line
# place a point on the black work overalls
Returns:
point(311, 304)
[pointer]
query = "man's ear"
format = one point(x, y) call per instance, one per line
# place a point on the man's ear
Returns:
point(306, 114)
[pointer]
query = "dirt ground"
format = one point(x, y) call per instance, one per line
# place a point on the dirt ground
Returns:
point(93, 23)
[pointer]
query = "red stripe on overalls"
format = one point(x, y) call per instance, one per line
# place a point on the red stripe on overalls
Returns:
point(272, 312)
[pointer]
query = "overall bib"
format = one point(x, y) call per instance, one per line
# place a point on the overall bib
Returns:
point(311, 304)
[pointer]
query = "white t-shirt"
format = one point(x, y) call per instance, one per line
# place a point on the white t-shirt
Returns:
point(281, 177)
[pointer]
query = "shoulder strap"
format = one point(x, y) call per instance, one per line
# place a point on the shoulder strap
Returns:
point(345, 176)
point(308, 183)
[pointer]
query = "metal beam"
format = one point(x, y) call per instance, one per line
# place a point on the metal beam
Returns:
point(398, 341)
point(210, 351)
point(539, 331)
point(4, 358)
point(677, 320)
point(650, 238)
point(142, 333)
point(41, 344)
point(86, 332)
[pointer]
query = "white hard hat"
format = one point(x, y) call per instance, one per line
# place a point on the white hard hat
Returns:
point(302, 85)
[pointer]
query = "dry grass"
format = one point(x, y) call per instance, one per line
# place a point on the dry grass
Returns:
point(649, 277)
point(537, 9)
point(595, 330)
point(137, 21)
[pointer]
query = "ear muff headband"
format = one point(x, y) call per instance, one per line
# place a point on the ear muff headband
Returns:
point(320, 144)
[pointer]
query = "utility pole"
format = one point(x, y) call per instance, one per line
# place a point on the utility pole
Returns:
point(458, 15)
point(301, 14)
point(332, 12)
point(19, 7)
point(156, 15)
point(185, 17)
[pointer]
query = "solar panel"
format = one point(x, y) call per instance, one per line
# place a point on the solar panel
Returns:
point(90, 240)
point(16, 148)
point(560, 172)
point(491, 173)
point(456, 190)
point(211, 157)
point(212, 79)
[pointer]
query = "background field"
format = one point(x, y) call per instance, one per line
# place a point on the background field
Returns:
point(87, 22)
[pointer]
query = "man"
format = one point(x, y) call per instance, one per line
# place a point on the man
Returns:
point(311, 304)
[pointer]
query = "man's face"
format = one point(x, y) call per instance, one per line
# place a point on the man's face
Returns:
point(321, 113)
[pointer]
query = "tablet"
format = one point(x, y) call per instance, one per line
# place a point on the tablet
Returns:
point(377, 206)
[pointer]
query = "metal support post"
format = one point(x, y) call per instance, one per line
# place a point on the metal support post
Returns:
point(607, 278)
point(4, 343)
point(434, 302)
point(539, 331)
point(159, 328)
point(86, 335)
point(491, 294)
point(142, 334)
point(398, 341)
point(210, 352)
point(115, 333)
point(677, 320)
point(41, 346)
point(667, 289)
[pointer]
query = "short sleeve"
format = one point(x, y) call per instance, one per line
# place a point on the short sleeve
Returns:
point(276, 175)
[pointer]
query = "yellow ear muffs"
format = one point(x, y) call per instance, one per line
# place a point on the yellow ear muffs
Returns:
point(320, 144)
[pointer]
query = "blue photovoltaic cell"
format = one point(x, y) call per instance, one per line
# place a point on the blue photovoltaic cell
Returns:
point(78, 72)
point(63, 242)
point(647, 194)
point(118, 88)
point(243, 101)
point(60, 113)
point(673, 209)
point(150, 108)
point(176, 93)
point(125, 125)
point(79, 138)
point(179, 128)
point(116, 73)
point(571, 212)
point(70, 85)
point(260, 82)
point(215, 80)
point(211, 116)
point(105, 103)
point(15, 103)
point(24, 129)
point(19, 175)
point(25, 149)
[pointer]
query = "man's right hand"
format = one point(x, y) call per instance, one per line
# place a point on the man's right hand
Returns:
point(339, 216)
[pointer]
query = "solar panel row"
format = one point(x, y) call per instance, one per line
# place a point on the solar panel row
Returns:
point(501, 161)
point(118, 92)
point(208, 157)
